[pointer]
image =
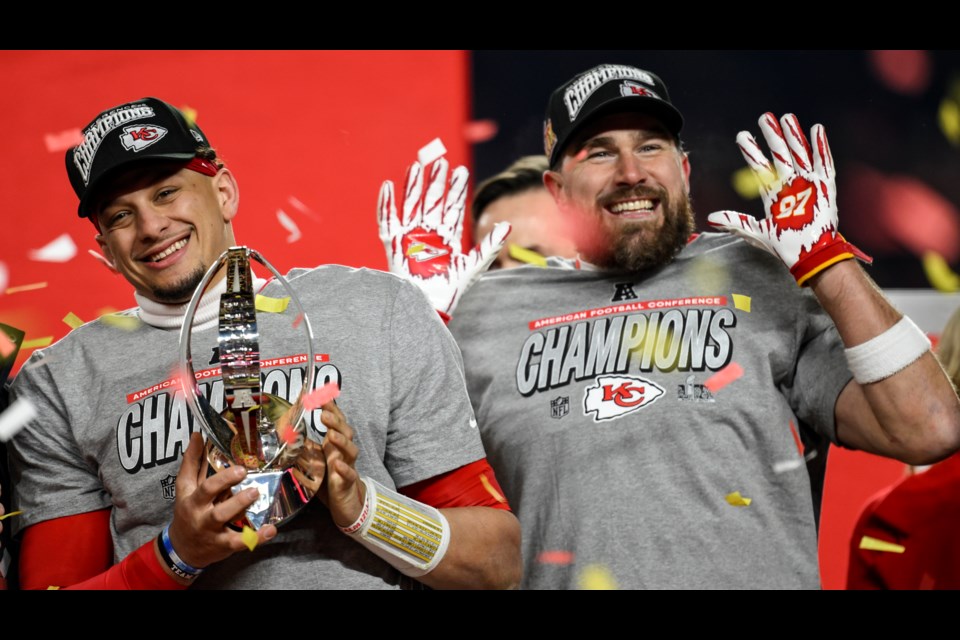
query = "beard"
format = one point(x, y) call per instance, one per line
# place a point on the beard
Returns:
point(636, 245)
point(181, 291)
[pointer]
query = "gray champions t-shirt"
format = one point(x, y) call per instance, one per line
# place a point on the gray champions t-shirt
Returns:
point(113, 425)
point(593, 394)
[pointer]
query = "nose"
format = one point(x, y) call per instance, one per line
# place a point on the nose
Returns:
point(151, 223)
point(630, 170)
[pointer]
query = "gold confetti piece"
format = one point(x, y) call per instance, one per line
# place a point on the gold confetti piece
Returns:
point(489, 487)
point(708, 276)
point(120, 321)
point(939, 273)
point(53, 588)
point(737, 500)
point(949, 118)
point(249, 538)
point(10, 515)
point(416, 248)
point(61, 249)
point(189, 114)
point(596, 577)
point(271, 305)
point(873, 544)
point(745, 183)
point(526, 255)
point(26, 287)
point(741, 302)
point(37, 343)
point(72, 320)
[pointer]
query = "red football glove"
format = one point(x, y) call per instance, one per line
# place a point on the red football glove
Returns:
point(424, 246)
point(799, 197)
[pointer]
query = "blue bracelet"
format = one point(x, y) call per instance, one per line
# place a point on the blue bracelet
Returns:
point(175, 562)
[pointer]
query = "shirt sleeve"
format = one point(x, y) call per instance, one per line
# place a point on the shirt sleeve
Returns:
point(432, 427)
point(821, 370)
point(51, 477)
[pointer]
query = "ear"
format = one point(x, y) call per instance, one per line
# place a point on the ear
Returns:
point(685, 165)
point(553, 181)
point(228, 193)
point(106, 258)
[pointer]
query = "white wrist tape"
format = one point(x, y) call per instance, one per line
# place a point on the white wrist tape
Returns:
point(410, 535)
point(884, 355)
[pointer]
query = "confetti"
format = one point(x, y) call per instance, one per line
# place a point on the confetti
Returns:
point(37, 343)
point(873, 544)
point(7, 345)
point(737, 500)
point(302, 208)
point(722, 378)
point(72, 320)
point(490, 489)
point(61, 249)
point(53, 588)
point(189, 114)
point(15, 418)
point(10, 515)
point(102, 260)
point(430, 152)
point(949, 118)
point(745, 183)
point(249, 538)
point(741, 302)
point(271, 305)
point(416, 248)
point(26, 287)
point(787, 465)
point(121, 321)
point(939, 273)
point(297, 320)
point(596, 577)
point(62, 141)
point(555, 557)
point(318, 397)
point(796, 437)
point(287, 433)
point(289, 225)
point(4, 276)
point(477, 131)
point(709, 275)
point(527, 255)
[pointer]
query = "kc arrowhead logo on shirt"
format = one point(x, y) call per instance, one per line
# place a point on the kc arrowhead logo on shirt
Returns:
point(615, 396)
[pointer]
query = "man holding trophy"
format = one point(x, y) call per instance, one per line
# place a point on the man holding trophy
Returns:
point(118, 489)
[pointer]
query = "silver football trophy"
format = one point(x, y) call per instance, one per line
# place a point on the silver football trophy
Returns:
point(259, 431)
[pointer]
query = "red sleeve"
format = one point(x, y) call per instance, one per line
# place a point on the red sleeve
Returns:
point(472, 485)
point(76, 552)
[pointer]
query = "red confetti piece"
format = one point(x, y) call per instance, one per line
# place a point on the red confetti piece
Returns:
point(555, 557)
point(722, 378)
point(6, 345)
point(319, 397)
point(796, 438)
point(297, 320)
point(477, 131)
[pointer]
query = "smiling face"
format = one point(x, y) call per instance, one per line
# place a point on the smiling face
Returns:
point(626, 183)
point(162, 226)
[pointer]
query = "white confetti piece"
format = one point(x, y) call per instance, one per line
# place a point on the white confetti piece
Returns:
point(289, 225)
point(60, 250)
point(787, 465)
point(4, 277)
point(430, 152)
point(15, 418)
point(302, 208)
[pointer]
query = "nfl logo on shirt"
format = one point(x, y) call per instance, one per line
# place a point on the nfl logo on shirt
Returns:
point(559, 406)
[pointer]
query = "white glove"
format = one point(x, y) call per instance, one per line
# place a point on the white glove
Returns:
point(425, 245)
point(799, 198)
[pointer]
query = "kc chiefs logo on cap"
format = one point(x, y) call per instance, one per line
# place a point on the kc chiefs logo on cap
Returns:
point(140, 136)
